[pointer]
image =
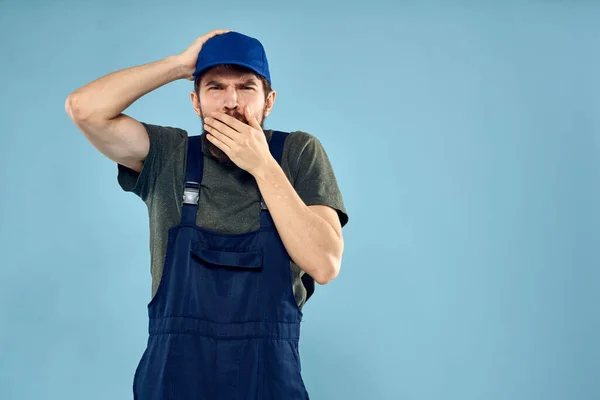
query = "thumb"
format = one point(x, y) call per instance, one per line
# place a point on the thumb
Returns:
point(250, 118)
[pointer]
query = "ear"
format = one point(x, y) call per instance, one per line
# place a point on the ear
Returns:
point(196, 103)
point(270, 100)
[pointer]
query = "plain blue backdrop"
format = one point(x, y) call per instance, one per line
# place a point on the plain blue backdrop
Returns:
point(466, 141)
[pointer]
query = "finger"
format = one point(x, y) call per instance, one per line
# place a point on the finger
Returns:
point(234, 123)
point(250, 118)
point(213, 33)
point(219, 136)
point(221, 127)
point(214, 140)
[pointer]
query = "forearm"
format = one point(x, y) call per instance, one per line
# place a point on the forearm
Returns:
point(107, 97)
point(310, 240)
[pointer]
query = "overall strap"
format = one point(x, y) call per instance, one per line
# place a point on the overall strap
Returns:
point(193, 178)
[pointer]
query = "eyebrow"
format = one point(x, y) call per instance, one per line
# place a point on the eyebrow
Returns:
point(247, 82)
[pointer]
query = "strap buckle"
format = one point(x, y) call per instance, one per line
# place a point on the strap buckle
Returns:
point(191, 193)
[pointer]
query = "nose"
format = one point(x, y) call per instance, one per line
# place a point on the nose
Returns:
point(230, 100)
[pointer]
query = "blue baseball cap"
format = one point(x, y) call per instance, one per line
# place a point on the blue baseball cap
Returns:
point(233, 48)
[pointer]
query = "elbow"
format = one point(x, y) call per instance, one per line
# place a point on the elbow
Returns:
point(328, 272)
point(331, 266)
point(75, 109)
point(72, 107)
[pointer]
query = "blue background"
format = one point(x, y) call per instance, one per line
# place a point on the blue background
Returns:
point(466, 141)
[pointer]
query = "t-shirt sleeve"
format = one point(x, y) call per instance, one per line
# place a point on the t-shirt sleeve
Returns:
point(163, 141)
point(314, 178)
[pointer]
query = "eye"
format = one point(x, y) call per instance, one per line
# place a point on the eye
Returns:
point(213, 87)
point(248, 87)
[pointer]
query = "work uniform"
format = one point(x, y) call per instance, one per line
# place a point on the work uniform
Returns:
point(224, 323)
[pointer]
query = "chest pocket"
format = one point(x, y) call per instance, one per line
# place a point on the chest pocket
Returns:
point(225, 258)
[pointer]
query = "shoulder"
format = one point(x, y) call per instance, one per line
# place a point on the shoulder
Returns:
point(165, 144)
point(169, 132)
point(296, 144)
point(298, 140)
point(301, 144)
point(303, 151)
point(165, 140)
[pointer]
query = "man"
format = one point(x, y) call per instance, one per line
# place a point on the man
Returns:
point(242, 222)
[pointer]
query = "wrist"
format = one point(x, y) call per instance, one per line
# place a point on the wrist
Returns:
point(183, 71)
point(265, 170)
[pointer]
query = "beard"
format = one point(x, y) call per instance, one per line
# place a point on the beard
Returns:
point(217, 152)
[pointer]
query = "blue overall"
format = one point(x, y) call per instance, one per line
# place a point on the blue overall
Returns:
point(224, 323)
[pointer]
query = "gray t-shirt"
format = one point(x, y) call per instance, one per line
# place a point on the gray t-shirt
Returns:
point(229, 196)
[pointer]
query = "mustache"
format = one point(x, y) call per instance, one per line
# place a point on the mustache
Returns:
point(237, 115)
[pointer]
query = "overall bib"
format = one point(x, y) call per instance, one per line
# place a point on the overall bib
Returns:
point(224, 323)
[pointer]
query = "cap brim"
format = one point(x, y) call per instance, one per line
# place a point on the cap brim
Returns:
point(200, 72)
